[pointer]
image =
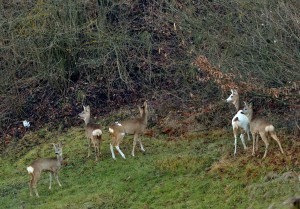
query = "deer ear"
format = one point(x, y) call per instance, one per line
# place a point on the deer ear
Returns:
point(141, 111)
point(60, 144)
point(54, 145)
point(231, 91)
point(245, 103)
point(250, 105)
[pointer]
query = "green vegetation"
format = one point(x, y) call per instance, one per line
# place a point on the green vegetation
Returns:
point(197, 171)
point(180, 56)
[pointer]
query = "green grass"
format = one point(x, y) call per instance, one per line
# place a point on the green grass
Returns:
point(197, 171)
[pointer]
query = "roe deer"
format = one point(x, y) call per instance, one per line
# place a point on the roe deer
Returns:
point(261, 127)
point(134, 127)
point(239, 120)
point(92, 131)
point(51, 165)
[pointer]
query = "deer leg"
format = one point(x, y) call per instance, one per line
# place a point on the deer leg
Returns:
point(243, 140)
point(56, 176)
point(97, 151)
point(235, 139)
point(256, 143)
point(142, 148)
point(95, 148)
point(121, 153)
point(99, 145)
point(274, 136)
point(265, 140)
point(30, 185)
point(253, 148)
point(89, 144)
point(112, 151)
point(248, 135)
point(135, 138)
point(36, 177)
point(50, 180)
point(36, 192)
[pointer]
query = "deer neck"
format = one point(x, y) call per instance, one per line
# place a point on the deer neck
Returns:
point(59, 159)
point(236, 103)
point(87, 119)
point(250, 115)
point(144, 118)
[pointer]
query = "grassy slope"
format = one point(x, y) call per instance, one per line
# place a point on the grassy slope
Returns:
point(197, 171)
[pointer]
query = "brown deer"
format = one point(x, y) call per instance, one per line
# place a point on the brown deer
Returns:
point(134, 127)
point(51, 165)
point(262, 127)
point(92, 131)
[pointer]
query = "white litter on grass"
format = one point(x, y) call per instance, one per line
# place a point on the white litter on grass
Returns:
point(26, 123)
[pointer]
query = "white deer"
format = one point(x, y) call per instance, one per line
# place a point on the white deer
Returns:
point(134, 127)
point(262, 127)
point(93, 131)
point(240, 120)
point(51, 165)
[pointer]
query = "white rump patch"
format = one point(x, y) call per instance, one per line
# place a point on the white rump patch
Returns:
point(269, 128)
point(111, 130)
point(30, 169)
point(97, 132)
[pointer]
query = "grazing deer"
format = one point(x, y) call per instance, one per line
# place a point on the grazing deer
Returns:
point(134, 127)
point(261, 127)
point(240, 120)
point(51, 165)
point(92, 131)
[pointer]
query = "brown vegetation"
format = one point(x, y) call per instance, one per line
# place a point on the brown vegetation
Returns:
point(57, 55)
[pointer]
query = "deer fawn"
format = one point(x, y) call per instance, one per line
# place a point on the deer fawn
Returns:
point(240, 120)
point(51, 165)
point(134, 127)
point(92, 131)
point(261, 127)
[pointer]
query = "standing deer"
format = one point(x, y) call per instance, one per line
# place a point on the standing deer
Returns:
point(92, 131)
point(240, 120)
point(134, 127)
point(262, 127)
point(51, 165)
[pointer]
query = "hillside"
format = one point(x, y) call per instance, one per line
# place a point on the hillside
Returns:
point(58, 55)
point(183, 58)
point(194, 171)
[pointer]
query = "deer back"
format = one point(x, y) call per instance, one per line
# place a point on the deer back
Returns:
point(259, 125)
point(137, 125)
point(46, 164)
point(133, 126)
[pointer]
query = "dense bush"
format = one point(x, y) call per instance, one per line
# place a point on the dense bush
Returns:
point(56, 55)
